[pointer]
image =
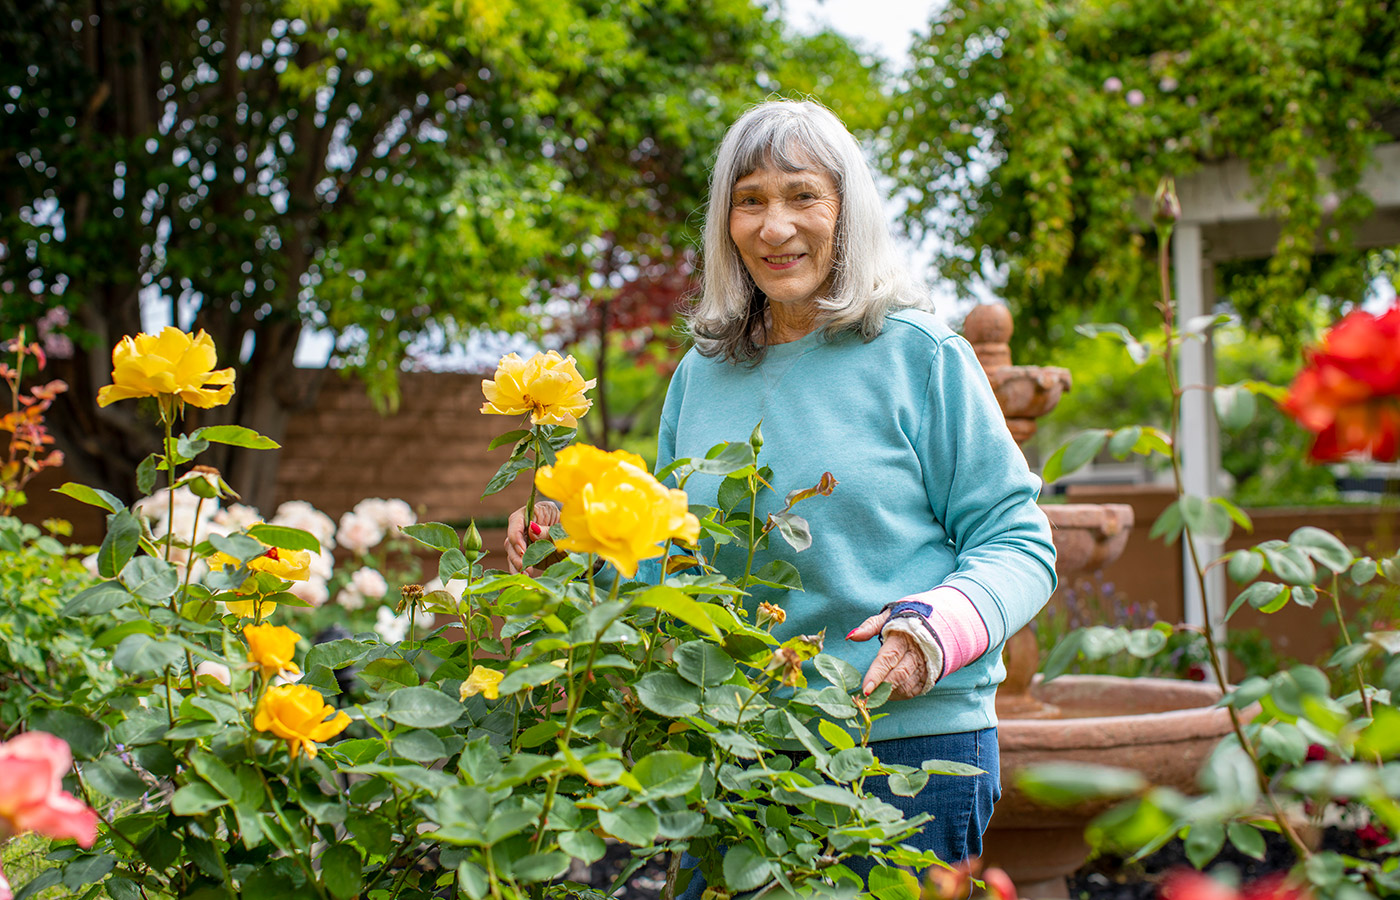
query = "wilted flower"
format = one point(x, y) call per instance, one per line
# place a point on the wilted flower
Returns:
point(767, 612)
point(272, 648)
point(483, 681)
point(298, 714)
point(614, 507)
point(171, 364)
point(546, 386)
point(358, 533)
point(1348, 393)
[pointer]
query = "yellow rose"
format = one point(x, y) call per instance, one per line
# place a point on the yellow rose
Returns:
point(578, 464)
point(613, 507)
point(483, 681)
point(289, 565)
point(547, 386)
point(272, 647)
point(297, 714)
point(172, 364)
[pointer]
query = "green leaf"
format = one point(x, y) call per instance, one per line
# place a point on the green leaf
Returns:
point(838, 672)
point(668, 773)
point(123, 536)
point(1363, 571)
point(630, 824)
point(1247, 839)
point(1064, 655)
point(733, 457)
point(342, 871)
point(423, 707)
point(196, 799)
point(780, 573)
point(745, 869)
point(1204, 841)
point(673, 602)
point(1234, 407)
point(950, 767)
point(285, 538)
point(96, 600)
point(115, 778)
point(239, 546)
point(583, 845)
point(507, 474)
point(531, 676)
point(703, 664)
point(419, 745)
point(1169, 524)
point(1323, 547)
point(907, 784)
point(668, 694)
point(1067, 783)
point(141, 653)
point(1237, 515)
point(1244, 566)
point(1124, 440)
point(835, 735)
point(1204, 517)
point(91, 496)
point(1075, 454)
point(433, 534)
point(1263, 594)
point(1290, 564)
point(538, 552)
point(510, 437)
point(235, 436)
point(151, 579)
point(794, 529)
point(537, 867)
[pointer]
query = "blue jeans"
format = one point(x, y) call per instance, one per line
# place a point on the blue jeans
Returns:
point(961, 805)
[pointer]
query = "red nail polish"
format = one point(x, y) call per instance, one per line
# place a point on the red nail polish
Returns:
point(851, 632)
point(535, 529)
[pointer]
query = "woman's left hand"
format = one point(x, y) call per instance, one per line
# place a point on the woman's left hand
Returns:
point(900, 661)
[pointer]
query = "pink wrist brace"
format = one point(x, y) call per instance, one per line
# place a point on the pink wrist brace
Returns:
point(958, 625)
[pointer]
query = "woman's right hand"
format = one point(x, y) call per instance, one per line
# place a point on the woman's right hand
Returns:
point(546, 515)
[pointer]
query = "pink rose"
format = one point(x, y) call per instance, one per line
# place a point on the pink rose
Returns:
point(32, 796)
point(358, 533)
point(369, 583)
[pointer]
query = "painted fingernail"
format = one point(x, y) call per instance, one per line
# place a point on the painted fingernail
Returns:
point(535, 529)
point(851, 632)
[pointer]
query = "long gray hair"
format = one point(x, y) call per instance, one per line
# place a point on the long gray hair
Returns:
point(870, 280)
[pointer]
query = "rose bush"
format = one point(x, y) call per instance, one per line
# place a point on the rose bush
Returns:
point(517, 722)
point(1325, 736)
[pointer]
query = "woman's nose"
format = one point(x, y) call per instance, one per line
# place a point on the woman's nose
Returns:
point(778, 226)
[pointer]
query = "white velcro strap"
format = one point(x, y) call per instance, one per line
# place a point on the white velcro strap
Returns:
point(933, 654)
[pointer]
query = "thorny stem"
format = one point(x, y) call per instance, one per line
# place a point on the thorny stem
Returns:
point(753, 525)
point(1346, 639)
point(1213, 649)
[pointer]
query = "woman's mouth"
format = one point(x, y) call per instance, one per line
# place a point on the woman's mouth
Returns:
point(784, 261)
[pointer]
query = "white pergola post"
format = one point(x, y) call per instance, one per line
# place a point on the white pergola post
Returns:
point(1198, 436)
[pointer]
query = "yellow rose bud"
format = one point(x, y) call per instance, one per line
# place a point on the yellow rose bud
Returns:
point(613, 507)
point(169, 364)
point(272, 648)
point(297, 714)
point(483, 681)
point(546, 386)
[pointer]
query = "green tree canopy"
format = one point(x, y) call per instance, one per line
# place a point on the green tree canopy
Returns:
point(1032, 126)
point(382, 169)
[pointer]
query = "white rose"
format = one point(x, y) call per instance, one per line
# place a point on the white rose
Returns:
point(313, 590)
point(350, 598)
point(237, 517)
point(369, 583)
point(218, 671)
point(323, 565)
point(390, 627)
point(300, 514)
point(358, 533)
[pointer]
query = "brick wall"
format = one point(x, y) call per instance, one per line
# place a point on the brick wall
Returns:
point(431, 452)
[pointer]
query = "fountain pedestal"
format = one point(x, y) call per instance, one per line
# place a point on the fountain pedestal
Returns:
point(1163, 728)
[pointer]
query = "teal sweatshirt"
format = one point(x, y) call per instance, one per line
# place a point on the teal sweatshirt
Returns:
point(932, 491)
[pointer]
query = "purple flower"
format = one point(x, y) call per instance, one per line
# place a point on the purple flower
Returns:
point(1135, 97)
point(1112, 85)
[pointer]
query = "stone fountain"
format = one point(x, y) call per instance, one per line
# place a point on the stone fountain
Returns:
point(1163, 728)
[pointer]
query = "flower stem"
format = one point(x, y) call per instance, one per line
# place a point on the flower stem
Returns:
point(169, 479)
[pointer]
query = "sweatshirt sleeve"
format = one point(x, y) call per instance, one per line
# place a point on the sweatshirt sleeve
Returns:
point(984, 495)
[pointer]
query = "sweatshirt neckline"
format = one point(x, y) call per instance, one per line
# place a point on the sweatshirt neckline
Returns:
point(797, 347)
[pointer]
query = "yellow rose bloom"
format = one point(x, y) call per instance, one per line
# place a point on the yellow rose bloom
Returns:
point(171, 363)
point(547, 386)
point(613, 507)
point(297, 714)
point(578, 464)
point(289, 565)
point(272, 648)
point(483, 681)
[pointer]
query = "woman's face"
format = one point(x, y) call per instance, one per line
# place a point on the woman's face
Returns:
point(784, 224)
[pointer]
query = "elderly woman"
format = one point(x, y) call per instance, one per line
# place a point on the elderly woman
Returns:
point(809, 323)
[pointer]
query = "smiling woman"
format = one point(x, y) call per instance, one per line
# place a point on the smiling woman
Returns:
point(810, 324)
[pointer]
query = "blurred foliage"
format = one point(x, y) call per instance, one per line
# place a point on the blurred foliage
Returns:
point(1266, 459)
point(1029, 129)
point(393, 172)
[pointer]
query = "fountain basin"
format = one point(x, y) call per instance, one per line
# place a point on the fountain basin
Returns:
point(1161, 727)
